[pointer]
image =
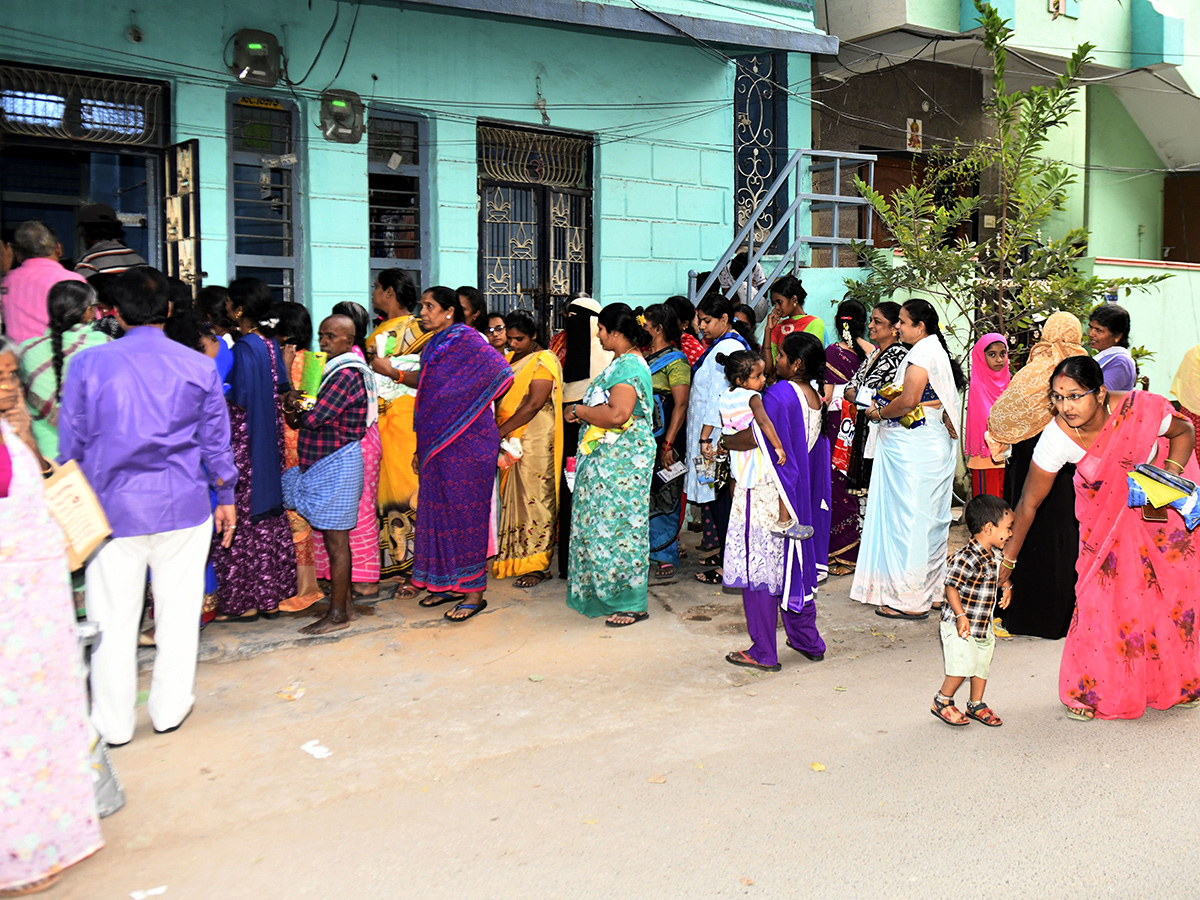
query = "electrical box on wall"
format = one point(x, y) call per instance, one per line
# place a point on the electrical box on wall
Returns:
point(256, 57)
point(342, 117)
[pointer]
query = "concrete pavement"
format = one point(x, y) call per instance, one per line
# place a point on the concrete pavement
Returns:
point(534, 753)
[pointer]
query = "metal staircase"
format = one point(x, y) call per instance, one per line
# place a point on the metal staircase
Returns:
point(800, 169)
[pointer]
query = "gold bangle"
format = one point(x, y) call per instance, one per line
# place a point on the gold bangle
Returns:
point(1172, 462)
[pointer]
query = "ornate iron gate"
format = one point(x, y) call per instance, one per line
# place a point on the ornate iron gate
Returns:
point(535, 221)
point(759, 139)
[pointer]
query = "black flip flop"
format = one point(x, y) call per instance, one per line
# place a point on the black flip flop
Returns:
point(253, 617)
point(879, 611)
point(475, 609)
point(636, 616)
point(437, 599)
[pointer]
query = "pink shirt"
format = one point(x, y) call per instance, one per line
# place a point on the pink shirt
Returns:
point(23, 294)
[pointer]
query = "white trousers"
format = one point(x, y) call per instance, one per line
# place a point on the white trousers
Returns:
point(116, 586)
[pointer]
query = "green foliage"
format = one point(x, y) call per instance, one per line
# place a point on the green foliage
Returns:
point(1017, 276)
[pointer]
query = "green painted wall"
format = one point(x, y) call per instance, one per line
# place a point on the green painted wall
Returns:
point(1124, 209)
point(659, 110)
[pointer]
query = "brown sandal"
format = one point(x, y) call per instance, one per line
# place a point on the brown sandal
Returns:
point(980, 712)
point(943, 707)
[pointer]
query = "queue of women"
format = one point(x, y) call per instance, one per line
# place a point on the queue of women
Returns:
point(486, 448)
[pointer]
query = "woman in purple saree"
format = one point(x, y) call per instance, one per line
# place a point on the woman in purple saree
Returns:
point(457, 447)
point(772, 571)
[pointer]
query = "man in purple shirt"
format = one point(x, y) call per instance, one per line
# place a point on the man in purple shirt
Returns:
point(24, 289)
point(146, 420)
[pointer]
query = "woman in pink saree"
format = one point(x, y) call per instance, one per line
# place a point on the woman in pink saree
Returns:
point(1132, 641)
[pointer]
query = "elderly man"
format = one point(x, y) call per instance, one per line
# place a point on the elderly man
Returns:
point(146, 420)
point(23, 291)
point(325, 488)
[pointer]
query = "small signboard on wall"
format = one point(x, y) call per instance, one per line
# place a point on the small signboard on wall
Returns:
point(916, 135)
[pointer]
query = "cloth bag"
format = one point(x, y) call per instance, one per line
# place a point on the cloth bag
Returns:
point(77, 510)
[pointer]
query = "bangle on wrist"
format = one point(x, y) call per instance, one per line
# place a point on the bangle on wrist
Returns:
point(1172, 462)
point(1008, 563)
point(706, 440)
point(960, 616)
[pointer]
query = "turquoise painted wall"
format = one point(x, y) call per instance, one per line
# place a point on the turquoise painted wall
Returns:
point(1124, 208)
point(660, 112)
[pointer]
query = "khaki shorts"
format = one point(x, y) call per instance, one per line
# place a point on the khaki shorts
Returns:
point(967, 658)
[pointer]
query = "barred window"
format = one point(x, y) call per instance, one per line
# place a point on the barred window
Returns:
point(264, 227)
point(398, 195)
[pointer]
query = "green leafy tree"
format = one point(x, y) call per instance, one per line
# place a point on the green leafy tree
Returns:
point(1017, 276)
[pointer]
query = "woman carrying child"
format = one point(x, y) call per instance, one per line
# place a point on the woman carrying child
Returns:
point(774, 566)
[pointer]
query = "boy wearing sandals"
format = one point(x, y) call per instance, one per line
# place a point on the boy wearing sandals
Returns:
point(972, 576)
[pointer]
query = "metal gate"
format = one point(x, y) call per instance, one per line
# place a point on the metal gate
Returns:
point(535, 221)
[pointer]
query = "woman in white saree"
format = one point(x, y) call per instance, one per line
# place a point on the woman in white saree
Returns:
point(902, 559)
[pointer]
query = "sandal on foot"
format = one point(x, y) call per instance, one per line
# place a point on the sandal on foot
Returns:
point(247, 617)
point(1188, 704)
point(897, 614)
point(664, 570)
point(633, 616)
point(407, 592)
point(711, 576)
point(437, 599)
point(742, 658)
point(533, 579)
point(1080, 713)
point(943, 708)
point(981, 713)
point(837, 570)
point(815, 657)
point(475, 609)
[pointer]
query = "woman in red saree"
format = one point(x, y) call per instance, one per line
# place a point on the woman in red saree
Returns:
point(1132, 641)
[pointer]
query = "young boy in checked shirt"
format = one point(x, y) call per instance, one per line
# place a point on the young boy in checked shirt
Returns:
point(967, 638)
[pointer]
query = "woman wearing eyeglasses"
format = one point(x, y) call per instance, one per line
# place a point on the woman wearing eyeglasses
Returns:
point(1132, 641)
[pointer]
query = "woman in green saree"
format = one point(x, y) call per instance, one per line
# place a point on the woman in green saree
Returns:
point(608, 573)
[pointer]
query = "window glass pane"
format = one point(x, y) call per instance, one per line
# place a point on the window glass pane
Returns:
point(279, 280)
point(392, 142)
point(394, 205)
point(262, 211)
point(265, 130)
point(33, 109)
point(119, 118)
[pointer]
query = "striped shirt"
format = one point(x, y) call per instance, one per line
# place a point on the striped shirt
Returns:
point(108, 258)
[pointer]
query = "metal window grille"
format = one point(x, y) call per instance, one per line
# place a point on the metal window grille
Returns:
point(44, 103)
point(398, 195)
point(760, 139)
point(263, 202)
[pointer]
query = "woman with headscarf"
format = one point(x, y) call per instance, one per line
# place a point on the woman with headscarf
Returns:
point(902, 558)
point(1043, 596)
point(1186, 388)
point(258, 570)
point(989, 378)
point(399, 335)
point(583, 358)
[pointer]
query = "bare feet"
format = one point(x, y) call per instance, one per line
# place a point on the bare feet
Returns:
point(330, 622)
point(366, 590)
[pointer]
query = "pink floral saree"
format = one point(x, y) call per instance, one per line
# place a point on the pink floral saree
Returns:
point(1132, 641)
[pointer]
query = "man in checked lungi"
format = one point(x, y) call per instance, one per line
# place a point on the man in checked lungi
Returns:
point(325, 488)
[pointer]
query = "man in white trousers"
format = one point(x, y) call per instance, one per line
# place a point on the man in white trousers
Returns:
point(146, 420)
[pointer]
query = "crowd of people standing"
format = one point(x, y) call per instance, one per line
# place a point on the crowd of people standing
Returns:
point(428, 446)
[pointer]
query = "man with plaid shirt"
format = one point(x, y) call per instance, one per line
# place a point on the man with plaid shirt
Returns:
point(327, 485)
point(968, 642)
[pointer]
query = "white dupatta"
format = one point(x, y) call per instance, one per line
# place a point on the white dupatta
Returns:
point(928, 354)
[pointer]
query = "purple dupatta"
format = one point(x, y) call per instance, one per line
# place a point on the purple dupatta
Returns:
point(804, 482)
point(461, 375)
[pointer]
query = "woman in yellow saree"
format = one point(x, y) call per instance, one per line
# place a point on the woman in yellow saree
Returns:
point(400, 335)
point(531, 414)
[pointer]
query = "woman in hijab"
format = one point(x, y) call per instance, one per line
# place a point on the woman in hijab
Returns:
point(578, 349)
point(1186, 388)
point(1043, 596)
point(989, 378)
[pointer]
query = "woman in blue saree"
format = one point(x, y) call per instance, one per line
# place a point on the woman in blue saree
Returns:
point(457, 447)
point(258, 570)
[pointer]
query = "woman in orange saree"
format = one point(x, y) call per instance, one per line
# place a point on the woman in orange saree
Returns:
point(400, 334)
point(1132, 641)
point(531, 413)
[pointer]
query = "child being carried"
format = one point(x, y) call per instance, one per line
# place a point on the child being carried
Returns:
point(740, 406)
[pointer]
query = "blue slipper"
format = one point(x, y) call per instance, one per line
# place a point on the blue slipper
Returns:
point(475, 609)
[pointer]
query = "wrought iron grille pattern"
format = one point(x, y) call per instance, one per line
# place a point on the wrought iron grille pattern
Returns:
point(759, 137)
point(535, 221)
point(47, 104)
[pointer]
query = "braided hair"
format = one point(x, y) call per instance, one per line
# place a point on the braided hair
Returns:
point(66, 303)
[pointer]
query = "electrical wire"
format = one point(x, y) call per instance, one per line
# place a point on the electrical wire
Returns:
point(346, 52)
point(337, 11)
